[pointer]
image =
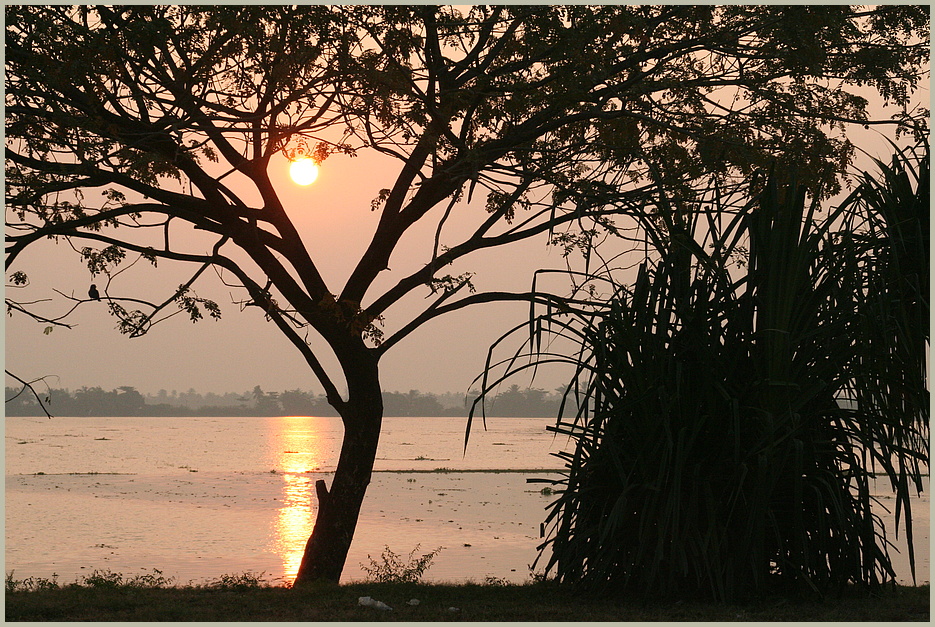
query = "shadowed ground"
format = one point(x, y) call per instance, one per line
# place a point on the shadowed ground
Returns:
point(472, 602)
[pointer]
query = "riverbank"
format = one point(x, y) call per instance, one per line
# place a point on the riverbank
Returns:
point(242, 600)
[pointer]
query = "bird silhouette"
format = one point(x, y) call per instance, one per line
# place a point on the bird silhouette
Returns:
point(93, 293)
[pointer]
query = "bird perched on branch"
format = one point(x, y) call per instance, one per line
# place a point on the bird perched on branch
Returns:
point(93, 293)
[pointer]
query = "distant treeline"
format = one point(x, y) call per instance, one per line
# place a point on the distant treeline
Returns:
point(127, 401)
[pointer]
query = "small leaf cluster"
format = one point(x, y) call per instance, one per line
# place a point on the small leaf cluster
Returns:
point(19, 278)
point(377, 202)
point(349, 314)
point(191, 303)
point(449, 283)
point(101, 261)
point(129, 322)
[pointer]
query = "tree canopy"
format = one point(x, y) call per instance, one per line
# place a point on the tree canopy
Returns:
point(548, 110)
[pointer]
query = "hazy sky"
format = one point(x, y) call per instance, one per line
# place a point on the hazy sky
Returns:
point(243, 349)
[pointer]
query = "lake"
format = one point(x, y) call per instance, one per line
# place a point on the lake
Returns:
point(200, 497)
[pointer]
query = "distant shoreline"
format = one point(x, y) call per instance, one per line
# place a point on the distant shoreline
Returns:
point(253, 415)
point(127, 402)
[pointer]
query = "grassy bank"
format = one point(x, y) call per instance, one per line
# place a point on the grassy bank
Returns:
point(109, 598)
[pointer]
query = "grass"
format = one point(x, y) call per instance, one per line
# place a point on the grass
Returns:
point(109, 597)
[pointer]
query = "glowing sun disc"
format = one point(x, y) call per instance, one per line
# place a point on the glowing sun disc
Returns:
point(303, 171)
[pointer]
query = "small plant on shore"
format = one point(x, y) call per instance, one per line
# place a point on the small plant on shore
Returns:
point(490, 580)
point(104, 579)
point(243, 581)
point(151, 580)
point(97, 579)
point(30, 584)
point(391, 569)
point(110, 579)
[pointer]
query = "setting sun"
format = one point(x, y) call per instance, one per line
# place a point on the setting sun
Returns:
point(303, 171)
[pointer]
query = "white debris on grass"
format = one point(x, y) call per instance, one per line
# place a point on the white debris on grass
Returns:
point(368, 602)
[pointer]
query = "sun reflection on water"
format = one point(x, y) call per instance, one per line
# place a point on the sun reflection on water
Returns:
point(300, 450)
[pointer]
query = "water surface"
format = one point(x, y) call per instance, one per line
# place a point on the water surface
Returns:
point(200, 497)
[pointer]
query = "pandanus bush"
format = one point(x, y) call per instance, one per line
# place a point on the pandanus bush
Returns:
point(737, 401)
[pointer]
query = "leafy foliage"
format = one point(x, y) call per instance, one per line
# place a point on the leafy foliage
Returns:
point(392, 569)
point(100, 261)
point(30, 584)
point(98, 579)
point(19, 278)
point(733, 420)
point(239, 582)
point(191, 304)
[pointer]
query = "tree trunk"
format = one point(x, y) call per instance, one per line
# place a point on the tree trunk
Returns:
point(339, 507)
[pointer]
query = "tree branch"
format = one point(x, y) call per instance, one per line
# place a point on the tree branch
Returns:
point(437, 309)
point(28, 385)
point(260, 295)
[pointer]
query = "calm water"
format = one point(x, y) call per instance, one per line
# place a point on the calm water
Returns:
point(200, 497)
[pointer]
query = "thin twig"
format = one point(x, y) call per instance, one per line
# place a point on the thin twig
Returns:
point(28, 385)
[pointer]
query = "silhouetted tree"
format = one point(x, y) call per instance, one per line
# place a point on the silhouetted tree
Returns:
point(297, 403)
point(412, 404)
point(129, 402)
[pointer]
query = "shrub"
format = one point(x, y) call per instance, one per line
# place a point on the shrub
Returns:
point(733, 414)
point(103, 579)
point(391, 569)
point(242, 581)
point(31, 584)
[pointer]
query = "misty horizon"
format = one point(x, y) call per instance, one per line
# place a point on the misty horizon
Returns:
point(128, 401)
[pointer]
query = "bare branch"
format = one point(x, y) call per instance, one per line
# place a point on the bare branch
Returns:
point(28, 386)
